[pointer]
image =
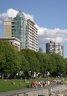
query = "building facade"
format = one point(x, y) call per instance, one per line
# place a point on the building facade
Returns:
point(40, 49)
point(19, 29)
point(32, 36)
point(12, 41)
point(53, 47)
point(24, 30)
point(8, 27)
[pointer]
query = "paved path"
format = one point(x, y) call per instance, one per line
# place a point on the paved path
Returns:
point(34, 91)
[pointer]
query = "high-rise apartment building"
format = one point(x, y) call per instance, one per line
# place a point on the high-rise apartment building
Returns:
point(8, 27)
point(23, 29)
point(54, 47)
point(19, 29)
point(40, 49)
point(31, 35)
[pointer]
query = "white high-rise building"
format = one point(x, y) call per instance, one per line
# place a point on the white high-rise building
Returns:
point(32, 36)
point(54, 47)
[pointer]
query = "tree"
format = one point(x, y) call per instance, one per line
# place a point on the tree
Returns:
point(12, 61)
point(30, 56)
point(9, 61)
point(24, 64)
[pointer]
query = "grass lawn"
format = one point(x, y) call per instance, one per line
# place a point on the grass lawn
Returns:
point(8, 85)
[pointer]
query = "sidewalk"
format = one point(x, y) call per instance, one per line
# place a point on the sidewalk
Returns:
point(33, 91)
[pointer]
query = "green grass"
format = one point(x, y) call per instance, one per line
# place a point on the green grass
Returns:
point(8, 85)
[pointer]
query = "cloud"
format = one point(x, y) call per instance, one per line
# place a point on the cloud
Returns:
point(9, 13)
point(56, 34)
point(28, 16)
point(12, 13)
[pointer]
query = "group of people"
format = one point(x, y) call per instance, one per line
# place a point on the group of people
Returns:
point(40, 83)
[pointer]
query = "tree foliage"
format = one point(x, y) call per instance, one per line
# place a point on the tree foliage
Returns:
point(12, 61)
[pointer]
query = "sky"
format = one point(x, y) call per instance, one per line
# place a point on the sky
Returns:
point(50, 17)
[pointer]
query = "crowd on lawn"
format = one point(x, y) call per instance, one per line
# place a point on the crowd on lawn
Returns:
point(40, 83)
point(45, 83)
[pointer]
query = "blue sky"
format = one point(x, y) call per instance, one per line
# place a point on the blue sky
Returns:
point(50, 15)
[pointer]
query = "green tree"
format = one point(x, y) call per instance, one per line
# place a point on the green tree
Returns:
point(32, 59)
point(24, 64)
point(9, 61)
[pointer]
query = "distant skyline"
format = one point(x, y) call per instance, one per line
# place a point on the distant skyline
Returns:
point(50, 17)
